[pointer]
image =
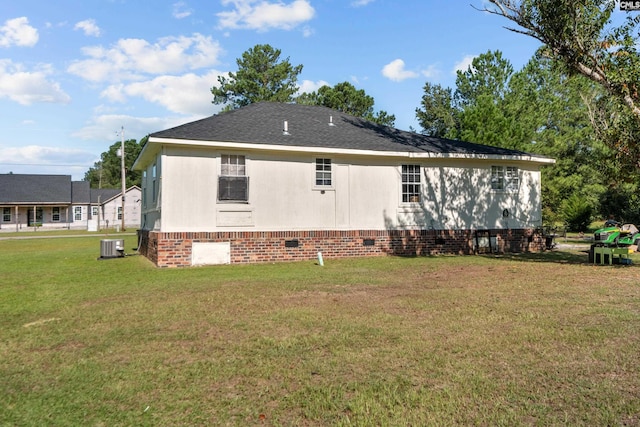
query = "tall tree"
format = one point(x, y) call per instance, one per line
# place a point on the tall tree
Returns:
point(107, 172)
point(481, 99)
point(579, 35)
point(261, 76)
point(553, 108)
point(346, 98)
point(475, 111)
point(438, 116)
point(488, 75)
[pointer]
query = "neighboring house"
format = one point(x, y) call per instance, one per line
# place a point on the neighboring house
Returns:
point(55, 201)
point(106, 207)
point(274, 181)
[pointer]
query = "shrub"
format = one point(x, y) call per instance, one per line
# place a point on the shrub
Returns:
point(577, 213)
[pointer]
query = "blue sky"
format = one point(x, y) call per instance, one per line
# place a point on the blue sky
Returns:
point(74, 73)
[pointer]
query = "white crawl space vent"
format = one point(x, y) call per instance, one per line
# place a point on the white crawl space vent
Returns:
point(210, 253)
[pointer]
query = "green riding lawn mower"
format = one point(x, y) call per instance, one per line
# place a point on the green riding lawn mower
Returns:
point(615, 235)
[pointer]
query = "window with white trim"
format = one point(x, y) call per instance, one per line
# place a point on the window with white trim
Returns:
point(411, 189)
point(505, 178)
point(77, 213)
point(6, 214)
point(323, 173)
point(233, 182)
point(119, 212)
point(55, 214)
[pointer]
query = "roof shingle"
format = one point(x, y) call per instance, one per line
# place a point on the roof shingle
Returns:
point(37, 189)
point(310, 126)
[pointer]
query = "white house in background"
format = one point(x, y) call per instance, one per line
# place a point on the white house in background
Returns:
point(31, 201)
point(106, 208)
point(274, 181)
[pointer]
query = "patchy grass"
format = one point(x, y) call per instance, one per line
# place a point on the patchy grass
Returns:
point(526, 339)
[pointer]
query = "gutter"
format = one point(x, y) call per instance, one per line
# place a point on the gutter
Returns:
point(525, 157)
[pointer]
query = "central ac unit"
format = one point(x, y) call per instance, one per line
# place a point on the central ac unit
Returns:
point(111, 248)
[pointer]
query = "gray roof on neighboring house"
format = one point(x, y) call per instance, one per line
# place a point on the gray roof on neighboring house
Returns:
point(37, 189)
point(309, 126)
point(101, 195)
point(80, 193)
point(50, 190)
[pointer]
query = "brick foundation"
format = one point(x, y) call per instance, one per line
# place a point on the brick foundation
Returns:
point(174, 249)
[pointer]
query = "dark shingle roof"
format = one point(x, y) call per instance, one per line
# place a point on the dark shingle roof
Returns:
point(80, 193)
point(50, 189)
point(308, 126)
point(18, 188)
point(103, 194)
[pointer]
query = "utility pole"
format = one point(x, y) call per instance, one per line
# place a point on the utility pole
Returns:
point(122, 174)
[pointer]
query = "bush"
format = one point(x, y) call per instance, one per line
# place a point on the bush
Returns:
point(577, 213)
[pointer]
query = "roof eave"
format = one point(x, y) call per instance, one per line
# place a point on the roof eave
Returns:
point(38, 203)
point(155, 141)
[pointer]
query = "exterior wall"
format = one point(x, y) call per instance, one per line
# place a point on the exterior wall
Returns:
point(79, 215)
point(70, 217)
point(364, 202)
point(66, 217)
point(44, 214)
point(108, 212)
point(366, 194)
point(174, 249)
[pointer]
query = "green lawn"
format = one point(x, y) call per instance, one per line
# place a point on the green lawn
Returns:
point(476, 340)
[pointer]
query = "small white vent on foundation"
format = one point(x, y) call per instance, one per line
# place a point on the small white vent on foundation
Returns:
point(285, 128)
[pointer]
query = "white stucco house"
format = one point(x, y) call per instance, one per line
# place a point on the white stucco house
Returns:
point(275, 181)
point(106, 208)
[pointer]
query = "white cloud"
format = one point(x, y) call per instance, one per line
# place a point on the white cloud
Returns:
point(38, 159)
point(262, 15)
point(104, 127)
point(115, 93)
point(358, 3)
point(309, 86)
point(89, 27)
point(181, 11)
point(431, 72)
point(395, 71)
point(18, 32)
point(186, 94)
point(463, 64)
point(42, 155)
point(27, 87)
point(132, 59)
